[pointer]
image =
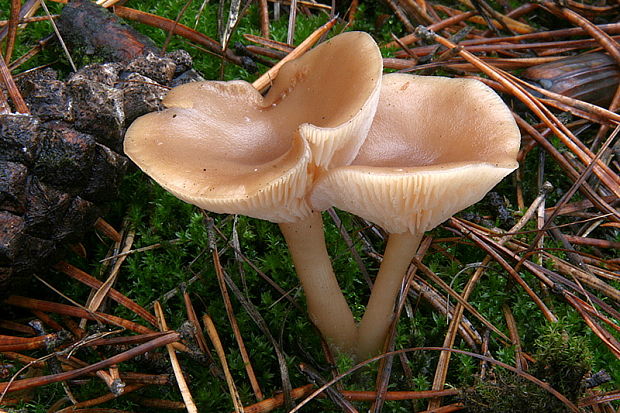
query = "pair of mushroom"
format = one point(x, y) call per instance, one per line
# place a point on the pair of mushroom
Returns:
point(405, 152)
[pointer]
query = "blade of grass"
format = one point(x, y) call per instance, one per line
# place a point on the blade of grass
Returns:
point(101, 399)
point(176, 22)
point(441, 371)
point(608, 43)
point(179, 29)
point(264, 18)
point(601, 170)
point(277, 401)
point(33, 304)
point(292, 19)
point(511, 323)
point(523, 374)
point(11, 87)
point(105, 288)
point(231, 22)
point(607, 339)
point(513, 273)
point(12, 30)
point(176, 367)
point(260, 322)
point(219, 271)
point(585, 188)
point(108, 230)
point(435, 278)
point(508, 22)
point(16, 385)
point(115, 295)
point(219, 349)
point(333, 393)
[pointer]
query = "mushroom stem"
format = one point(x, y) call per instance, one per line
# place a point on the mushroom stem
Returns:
point(373, 328)
point(327, 306)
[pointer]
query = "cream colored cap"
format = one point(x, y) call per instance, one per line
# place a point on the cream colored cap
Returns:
point(436, 146)
point(332, 91)
point(225, 148)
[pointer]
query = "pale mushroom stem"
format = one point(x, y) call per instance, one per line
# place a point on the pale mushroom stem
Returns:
point(327, 307)
point(373, 328)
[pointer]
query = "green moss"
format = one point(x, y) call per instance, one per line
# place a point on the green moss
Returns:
point(562, 361)
point(563, 351)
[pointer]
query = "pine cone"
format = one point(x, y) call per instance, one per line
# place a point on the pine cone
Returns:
point(589, 77)
point(61, 164)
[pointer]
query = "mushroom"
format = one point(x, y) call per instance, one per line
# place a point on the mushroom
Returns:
point(225, 148)
point(436, 146)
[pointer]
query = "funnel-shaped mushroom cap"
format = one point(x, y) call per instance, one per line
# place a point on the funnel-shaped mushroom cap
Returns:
point(225, 148)
point(436, 146)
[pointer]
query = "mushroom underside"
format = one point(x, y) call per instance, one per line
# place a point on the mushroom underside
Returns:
point(414, 199)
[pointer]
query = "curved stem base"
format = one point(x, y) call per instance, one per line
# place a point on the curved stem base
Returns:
point(373, 328)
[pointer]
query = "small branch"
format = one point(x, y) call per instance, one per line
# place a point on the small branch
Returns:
point(22, 384)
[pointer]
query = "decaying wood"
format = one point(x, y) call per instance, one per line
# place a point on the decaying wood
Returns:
point(182, 30)
point(96, 31)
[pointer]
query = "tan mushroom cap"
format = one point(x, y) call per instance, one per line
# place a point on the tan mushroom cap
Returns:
point(337, 91)
point(225, 148)
point(436, 146)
